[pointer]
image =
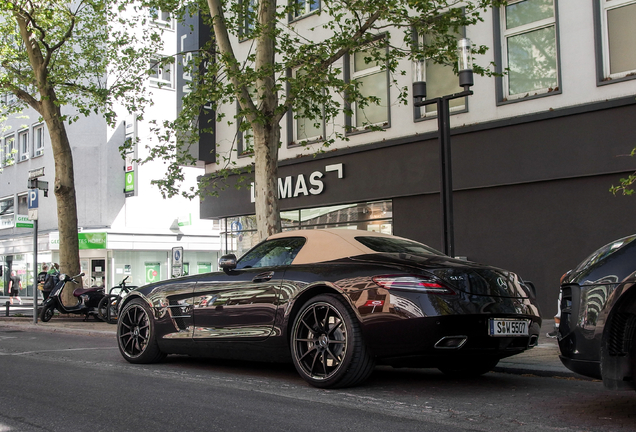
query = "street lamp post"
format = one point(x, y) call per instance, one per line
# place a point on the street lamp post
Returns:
point(443, 126)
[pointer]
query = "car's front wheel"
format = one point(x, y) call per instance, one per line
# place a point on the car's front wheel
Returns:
point(327, 346)
point(136, 335)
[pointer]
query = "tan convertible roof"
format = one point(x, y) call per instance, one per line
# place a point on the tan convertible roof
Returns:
point(329, 244)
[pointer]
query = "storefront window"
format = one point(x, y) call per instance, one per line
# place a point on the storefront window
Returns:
point(239, 234)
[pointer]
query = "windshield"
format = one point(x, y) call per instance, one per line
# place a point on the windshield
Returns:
point(397, 245)
point(611, 263)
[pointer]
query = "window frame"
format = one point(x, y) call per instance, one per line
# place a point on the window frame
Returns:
point(292, 126)
point(246, 26)
point(501, 50)
point(420, 113)
point(158, 19)
point(8, 157)
point(24, 145)
point(295, 14)
point(38, 145)
point(4, 217)
point(350, 75)
point(603, 55)
point(157, 79)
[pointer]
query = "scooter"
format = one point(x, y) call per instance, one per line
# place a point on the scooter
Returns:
point(88, 300)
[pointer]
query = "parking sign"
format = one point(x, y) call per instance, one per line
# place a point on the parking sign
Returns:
point(32, 199)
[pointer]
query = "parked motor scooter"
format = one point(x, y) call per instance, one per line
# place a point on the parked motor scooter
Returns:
point(88, 300)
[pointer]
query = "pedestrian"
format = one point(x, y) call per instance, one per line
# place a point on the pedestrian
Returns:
point(557, 319)
point(14, 287)
point(42, 279)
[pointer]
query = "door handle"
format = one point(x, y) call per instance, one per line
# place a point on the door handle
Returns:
point(263, 277)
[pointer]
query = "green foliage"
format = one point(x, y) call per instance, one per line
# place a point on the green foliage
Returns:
point(84, 56)
point(625, 184)
point(305, 73)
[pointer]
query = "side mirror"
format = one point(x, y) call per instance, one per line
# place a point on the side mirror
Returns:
point(227, 262)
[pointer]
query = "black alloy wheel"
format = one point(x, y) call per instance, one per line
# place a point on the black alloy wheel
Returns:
point(135, 334)
point(327, 345)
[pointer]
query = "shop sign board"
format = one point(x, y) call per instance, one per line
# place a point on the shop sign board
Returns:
point(98, 240)
point(153, 272)
point(23, 221)
point(204, 267)
point(129, 188)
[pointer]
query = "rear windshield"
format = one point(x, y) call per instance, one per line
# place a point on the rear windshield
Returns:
point(396, 245)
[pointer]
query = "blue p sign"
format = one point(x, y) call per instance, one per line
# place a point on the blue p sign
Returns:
point(33, 199)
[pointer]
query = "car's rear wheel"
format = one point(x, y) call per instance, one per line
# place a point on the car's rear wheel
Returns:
point(471, 368)
point(136, 335)
point(327, 346)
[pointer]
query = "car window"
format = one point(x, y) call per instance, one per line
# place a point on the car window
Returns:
point(272, 253)
point(396, 245)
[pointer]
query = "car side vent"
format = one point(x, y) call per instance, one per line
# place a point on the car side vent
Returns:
point(622, 334)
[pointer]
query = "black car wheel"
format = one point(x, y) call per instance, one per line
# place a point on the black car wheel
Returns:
point(327, 345)
point(47, 313)
point(472, 368)
point(136, 334)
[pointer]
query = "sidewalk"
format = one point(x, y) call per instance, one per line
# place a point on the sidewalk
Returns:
point(542, 360)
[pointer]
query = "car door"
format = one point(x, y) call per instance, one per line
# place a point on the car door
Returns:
point(242, 303)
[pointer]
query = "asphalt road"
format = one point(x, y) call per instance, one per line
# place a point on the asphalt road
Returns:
point(60, 382)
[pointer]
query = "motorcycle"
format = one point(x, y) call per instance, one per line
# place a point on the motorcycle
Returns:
point(88, 300)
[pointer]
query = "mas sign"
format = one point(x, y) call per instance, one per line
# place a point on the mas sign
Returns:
point(304, 185)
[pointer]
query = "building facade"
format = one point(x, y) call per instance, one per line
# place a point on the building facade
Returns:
point(535, 150)
point(126, 228)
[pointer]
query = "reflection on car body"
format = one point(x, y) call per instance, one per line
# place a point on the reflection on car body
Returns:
point(336, 303)
point(597, 334)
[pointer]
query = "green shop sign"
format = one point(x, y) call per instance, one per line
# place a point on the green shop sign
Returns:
point(92, 240)
point(23, 222)
point(153, 272)
point(85, 240)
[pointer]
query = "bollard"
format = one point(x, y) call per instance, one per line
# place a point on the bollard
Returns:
point(7, 304)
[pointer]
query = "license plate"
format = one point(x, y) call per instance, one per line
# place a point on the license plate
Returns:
point(508, 327)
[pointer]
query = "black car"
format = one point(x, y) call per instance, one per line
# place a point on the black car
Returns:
point(597, 334)
point(336, 303)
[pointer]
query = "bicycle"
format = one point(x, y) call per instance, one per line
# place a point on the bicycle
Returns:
point(109, 305)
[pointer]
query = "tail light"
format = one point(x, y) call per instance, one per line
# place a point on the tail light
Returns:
point(413, 283)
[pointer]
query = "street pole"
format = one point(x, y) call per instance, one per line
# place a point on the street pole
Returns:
point(446, 170)
point(465, 73)
point(35, 271)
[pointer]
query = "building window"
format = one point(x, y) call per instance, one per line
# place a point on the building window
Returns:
point(6, 212)
point(618, 36)
point(248, 18)
point(38, 140)
point(161, 72)
point(23, 145)
point(529, 52)
point(23, 204)
point(301, 8)
point(8, 151)
point(441, 80)
point(306, 129)
point(161, 18)
point(372, 78)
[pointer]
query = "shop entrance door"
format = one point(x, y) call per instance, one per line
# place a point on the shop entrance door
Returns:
point(97, 274)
